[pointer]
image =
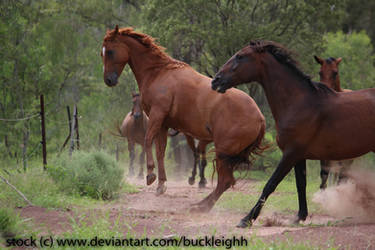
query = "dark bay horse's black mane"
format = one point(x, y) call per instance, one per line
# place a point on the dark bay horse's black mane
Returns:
point(284, 56)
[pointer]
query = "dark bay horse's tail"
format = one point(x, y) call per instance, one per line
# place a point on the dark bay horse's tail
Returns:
point(244, 159)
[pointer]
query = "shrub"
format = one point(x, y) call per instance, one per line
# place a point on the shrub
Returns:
point(94, 174)
point(8, 221)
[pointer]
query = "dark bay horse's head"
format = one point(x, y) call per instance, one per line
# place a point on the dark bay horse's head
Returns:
point(240, 68)
point(137, 110)
point(115, 56)
point(329, 71)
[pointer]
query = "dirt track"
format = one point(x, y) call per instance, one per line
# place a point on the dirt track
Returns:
point(168, 215)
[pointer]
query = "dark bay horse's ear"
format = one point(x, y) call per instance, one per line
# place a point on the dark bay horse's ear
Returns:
point(318, 60)
point(116, 29)
point(338, 60)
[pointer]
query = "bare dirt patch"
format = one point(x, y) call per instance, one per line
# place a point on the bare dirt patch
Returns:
point(144, 213)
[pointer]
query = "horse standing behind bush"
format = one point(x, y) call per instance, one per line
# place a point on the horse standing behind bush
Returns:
point(134, 128)
point(175, 96)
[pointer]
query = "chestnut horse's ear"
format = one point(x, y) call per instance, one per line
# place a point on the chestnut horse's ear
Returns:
point(318, 60)
point(338, 60)
point(116, 30)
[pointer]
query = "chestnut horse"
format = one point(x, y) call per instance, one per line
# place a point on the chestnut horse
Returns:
point(329, 75)
point(134, 128)
point(312, 120)
point(175, 96)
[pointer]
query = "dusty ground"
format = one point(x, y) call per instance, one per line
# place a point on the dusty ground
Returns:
point(168, 215)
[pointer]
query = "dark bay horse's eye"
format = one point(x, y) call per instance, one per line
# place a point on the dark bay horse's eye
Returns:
point(239, 57)
point(334, 74)
point(320, 73)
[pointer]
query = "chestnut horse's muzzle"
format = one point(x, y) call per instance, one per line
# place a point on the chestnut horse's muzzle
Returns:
point(111, 79)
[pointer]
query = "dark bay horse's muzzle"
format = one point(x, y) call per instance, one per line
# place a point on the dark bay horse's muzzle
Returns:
point(111, 79)
point(218, 84)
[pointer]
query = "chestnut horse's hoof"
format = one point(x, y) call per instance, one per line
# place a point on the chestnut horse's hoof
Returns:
point(191, 180)
point(244, 224)
point(161, 190)
point(202, 183)
point(150, 178)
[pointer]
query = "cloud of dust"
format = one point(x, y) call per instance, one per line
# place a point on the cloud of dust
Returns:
point(354, 199)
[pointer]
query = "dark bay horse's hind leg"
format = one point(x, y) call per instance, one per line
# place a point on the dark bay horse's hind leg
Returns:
point(324, 171)
point(284, 167)
point(141, 163)
point(300, 174)
point(131, 156)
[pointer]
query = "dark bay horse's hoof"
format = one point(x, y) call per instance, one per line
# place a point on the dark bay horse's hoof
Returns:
point(191, 180)
point(150, 178)
point(244, 224)
point(202, 183)
point(161, 190)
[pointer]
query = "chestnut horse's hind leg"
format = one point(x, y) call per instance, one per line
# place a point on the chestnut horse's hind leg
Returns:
point(161, 144)
point(225, 179)
point(284, 167)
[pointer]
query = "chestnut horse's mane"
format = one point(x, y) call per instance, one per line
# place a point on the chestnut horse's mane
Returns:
point(285, 57)
point(148, 42)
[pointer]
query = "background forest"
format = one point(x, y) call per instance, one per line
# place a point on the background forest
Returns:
point(52, 47)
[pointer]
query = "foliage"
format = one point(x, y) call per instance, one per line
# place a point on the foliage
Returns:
point(93, 174)
point(8, 222)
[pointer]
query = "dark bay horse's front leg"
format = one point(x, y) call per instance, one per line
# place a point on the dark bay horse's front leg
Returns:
point(154, 125)
point(161, 144)
point(300, 174)
point(285, 165)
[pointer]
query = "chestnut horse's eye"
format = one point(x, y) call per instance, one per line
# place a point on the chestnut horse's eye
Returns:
point(239, 57)
point(109, 53)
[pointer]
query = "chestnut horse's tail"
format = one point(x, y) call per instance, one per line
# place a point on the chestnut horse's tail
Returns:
point(244, 159)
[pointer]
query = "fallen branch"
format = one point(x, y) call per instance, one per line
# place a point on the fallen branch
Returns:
point(19, 192)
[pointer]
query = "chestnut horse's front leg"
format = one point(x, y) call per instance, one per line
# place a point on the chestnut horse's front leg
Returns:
point(161, 144)
point(154, 126)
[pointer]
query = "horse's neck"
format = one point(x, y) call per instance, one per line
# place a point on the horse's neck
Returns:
point(283, 88)
point(142, 61)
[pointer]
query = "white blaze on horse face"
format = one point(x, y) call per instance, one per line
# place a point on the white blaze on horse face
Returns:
point(103, 53)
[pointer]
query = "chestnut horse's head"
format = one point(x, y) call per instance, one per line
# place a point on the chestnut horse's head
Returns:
point(115, 56)
point(240, 68)
point(137, 110)
point(329, 71)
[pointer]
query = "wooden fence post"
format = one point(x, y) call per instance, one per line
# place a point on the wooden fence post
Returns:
point(44, 144)
point(76, 121)
point(72, 131)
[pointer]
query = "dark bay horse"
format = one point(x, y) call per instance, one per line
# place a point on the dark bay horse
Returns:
point(312, 120)
point(329, 75)
point(175, 96)
point(134, 128)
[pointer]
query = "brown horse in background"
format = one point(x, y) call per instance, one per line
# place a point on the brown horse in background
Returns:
point(134, 128)
point(329, 75)
point(175, 96)
point(312, 120)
